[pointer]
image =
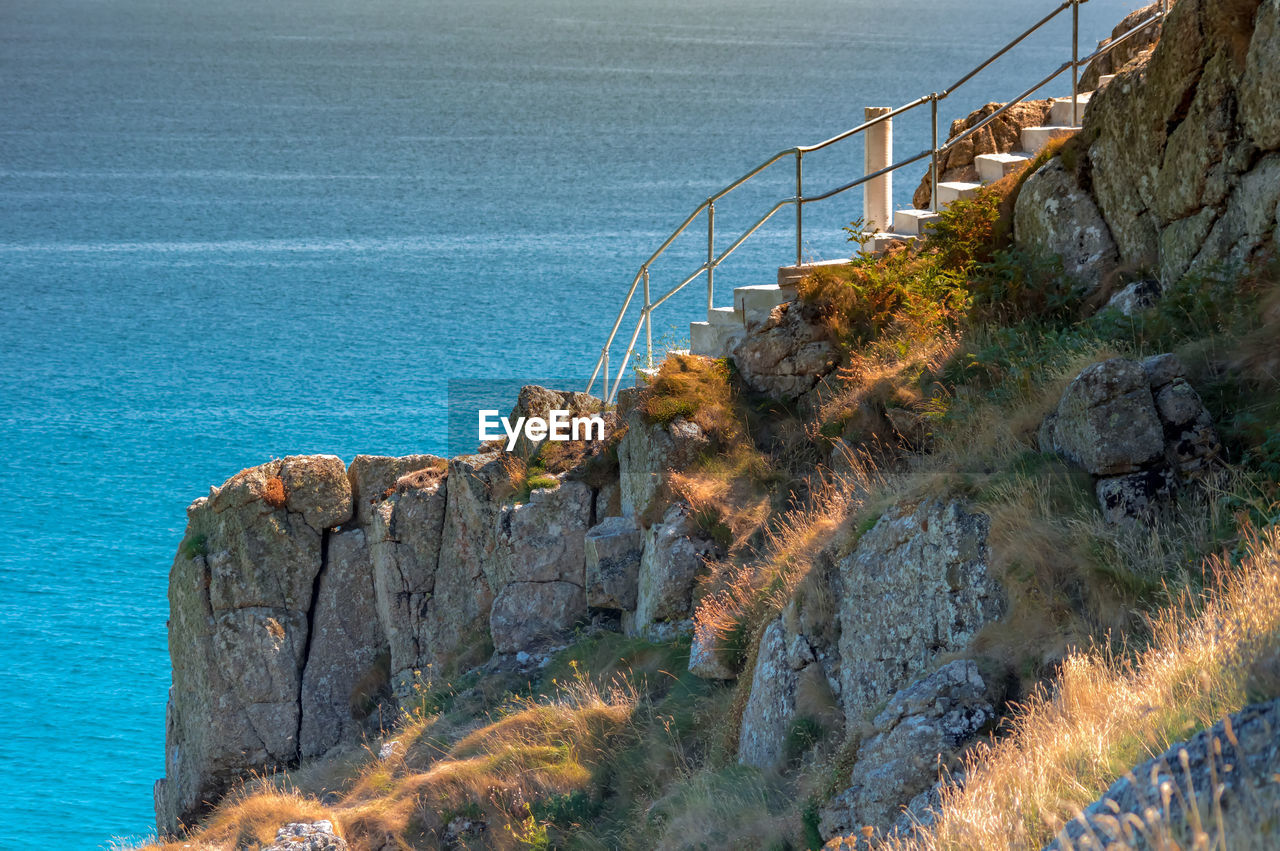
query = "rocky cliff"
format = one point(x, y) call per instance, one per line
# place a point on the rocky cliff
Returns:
point(1177, 168)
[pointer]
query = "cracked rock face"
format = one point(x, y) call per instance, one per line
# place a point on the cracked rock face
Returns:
point(919, 733)
point(917, 587)
point(241, 592)
point(1183, 146)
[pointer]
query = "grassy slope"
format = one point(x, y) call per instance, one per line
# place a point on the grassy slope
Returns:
point(951, 357)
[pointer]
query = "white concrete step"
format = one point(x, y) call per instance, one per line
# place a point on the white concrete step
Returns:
point(713, 341)
point(1060, 112)
point(755, 302)
point(1104, 79)
point(992, 167)
point(913, 222)
point(881, 240)
point(725, 316)
point(955, 190)
point(792, 275)
point(1035, 138)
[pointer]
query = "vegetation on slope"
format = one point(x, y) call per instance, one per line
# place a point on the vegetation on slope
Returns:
point(1119, 639)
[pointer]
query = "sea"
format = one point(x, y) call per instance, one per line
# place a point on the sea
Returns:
point(235, 230)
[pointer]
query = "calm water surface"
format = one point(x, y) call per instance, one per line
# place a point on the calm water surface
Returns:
point(232, 230)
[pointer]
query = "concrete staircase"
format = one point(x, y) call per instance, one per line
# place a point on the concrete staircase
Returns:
point(725, 326)
point(909, 225)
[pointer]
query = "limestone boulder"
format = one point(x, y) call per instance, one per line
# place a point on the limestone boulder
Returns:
point(1053, 216)
point(1106, 421)
point(918, 586)
point(787, 355)
point(1235, 762)
point(612, 550)
point(674, 556)
point(919, 733)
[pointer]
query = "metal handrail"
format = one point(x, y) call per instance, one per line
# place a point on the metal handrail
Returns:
point(799, 199)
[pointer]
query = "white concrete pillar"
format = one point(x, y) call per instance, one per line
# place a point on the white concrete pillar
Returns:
point(877, 198)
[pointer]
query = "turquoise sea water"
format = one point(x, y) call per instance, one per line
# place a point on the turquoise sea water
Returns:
point(232, 230)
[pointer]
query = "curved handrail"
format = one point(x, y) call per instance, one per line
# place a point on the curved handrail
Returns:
point(799, 199)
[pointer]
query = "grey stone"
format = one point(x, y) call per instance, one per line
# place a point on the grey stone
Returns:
point(647, 453)
point(310, 836)
point(920, 732)
point(1053, 216)
point(612, 563)
point(675, 554)
point(706, 655)
point(1106, 421)
point(527, 614)
point(787, 355)
point(372, 476)
point(1236, 761)
point(1135, 495)
point(347, 666)
point(1136, 297)
point(918, 586)
point(771, 706)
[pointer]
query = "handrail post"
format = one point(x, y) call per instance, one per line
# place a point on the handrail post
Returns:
point(711, 256)
point(933, 168)
point(648, 322)
point(799, 205)
point(606, 375)
point(1075, 62)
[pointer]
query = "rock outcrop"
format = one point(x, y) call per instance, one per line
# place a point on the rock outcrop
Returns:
point(787, 355)
point(307, 594)
point(918, 586)
point(915, 738)
point(1229, 770)
point(1136, 47)
point(241, 596)
point(675, 554)
point(1139, 428)
point(1054, 216)
point(1183, 150)
point(647, 453)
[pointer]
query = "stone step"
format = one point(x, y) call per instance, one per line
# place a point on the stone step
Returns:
point(992, 167)
point(954, 190)
point(1104, 79)
point(913, 222)
point(1035, 138)
point(725, 316)
point(713, 341)
point(1060, 112)
point(755, 302)
point(881, 240)
point(792, 275)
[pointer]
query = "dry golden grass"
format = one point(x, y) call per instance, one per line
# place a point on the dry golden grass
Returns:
point(250, 819)
point(432, 772)
point(1107, 713)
